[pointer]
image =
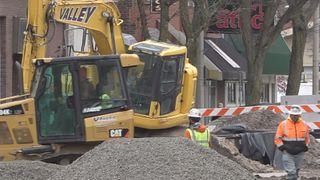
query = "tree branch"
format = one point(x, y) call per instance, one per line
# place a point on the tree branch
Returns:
point(143, 20)
point(288, 15)
point(184, 17)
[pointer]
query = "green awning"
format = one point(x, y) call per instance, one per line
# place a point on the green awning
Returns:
point(277, 58)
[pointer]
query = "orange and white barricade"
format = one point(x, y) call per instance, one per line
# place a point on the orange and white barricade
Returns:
point(279, 109)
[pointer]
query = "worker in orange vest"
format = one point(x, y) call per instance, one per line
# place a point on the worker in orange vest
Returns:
point(292, 138)
point(197, 132)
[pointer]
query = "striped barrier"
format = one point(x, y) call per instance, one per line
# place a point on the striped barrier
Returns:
point(235, 111)
point(279, 109)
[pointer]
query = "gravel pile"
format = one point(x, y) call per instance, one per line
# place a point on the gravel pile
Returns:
point(152, 158)
point(27, 170)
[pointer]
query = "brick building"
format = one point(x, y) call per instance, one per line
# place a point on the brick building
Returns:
point(8, 10)
point(12, 24)
point(132, 25)
point(219, 83)
point(224, 62)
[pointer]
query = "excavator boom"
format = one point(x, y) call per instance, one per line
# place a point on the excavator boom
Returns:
point(101, 18)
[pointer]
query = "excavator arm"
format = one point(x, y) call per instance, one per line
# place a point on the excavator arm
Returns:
point(34, 40)
point(100, 18)
point(162, 88)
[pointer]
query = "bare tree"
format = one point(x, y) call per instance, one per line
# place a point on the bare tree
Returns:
point(143, 20)
point(195, 24)
point(194, 27)
point(164, 19)
point(256, 45)
point(300, 25)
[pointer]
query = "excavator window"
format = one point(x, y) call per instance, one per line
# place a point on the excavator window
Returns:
point(55, 116)
point(170, 82)
point(100, 87)
point(141, 82)
point(168, 76)
point(157, 78)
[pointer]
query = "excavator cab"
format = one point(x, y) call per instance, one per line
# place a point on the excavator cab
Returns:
point(159, 80)
point(68, 93)
point(156, 85)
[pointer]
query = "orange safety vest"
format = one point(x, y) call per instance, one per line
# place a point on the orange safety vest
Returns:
point(295, 135)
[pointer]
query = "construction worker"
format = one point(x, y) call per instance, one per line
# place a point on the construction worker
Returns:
point(196, 131)
point(87, 90)
point(105, 101)
point(292, 138)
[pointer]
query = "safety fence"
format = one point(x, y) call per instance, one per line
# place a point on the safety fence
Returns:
point(279, 109)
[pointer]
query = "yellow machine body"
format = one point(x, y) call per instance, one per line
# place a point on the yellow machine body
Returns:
point(163, 91)
point(158, 92)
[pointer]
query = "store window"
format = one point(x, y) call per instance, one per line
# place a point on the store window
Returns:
point(235, 93)
point(231, 92)
point(265, 96)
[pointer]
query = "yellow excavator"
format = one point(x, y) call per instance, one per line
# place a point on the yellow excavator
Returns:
point(161, 87)
point(71, 103)
point(55, 122)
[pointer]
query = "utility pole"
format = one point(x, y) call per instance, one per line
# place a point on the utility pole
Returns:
point(315, 73)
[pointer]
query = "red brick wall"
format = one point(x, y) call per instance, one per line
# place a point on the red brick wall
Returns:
point(130, 14)
point(8, 10)
point(126, 10)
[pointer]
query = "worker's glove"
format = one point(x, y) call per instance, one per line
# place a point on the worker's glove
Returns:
point(282, 148)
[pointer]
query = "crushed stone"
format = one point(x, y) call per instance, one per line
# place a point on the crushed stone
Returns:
point(27, 170)
point(152, 158)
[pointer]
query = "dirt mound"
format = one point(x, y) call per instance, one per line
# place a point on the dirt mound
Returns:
point(312, 160)
point(227, 148)
point(152, 158)
point(264, 119)
point(26, 170)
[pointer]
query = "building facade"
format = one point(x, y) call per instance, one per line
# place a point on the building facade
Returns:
point(12, 24)
point(224, 85)
point(8, 10)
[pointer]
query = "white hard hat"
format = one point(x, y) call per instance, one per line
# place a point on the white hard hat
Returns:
point(295, 110)
point(194, 113)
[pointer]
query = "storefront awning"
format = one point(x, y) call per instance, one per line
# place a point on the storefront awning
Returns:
point(277, 58)
point(213, 71)
point(225, 57)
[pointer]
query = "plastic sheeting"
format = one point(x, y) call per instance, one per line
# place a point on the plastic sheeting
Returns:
point(257, 146)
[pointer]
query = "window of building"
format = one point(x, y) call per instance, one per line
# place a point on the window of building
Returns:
point(231, 92)
point(265, 96)
point(235, 93)
point(268, 93)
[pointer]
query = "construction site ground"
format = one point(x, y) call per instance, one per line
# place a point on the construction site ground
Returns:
point(168, 158)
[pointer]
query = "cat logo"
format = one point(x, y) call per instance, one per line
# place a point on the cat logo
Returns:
point(115, 133)
point(118, 133)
